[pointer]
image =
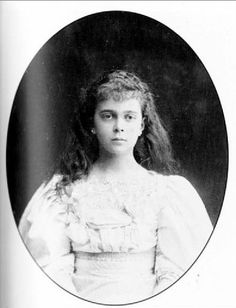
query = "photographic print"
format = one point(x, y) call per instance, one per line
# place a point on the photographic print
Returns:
point(116, 158)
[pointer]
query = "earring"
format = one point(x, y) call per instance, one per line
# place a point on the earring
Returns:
point(93, 131)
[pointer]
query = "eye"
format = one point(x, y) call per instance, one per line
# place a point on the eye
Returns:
point(129, 117)
point(106, 116)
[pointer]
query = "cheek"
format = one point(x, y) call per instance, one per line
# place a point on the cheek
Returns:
point(102, 133)
point(136, 129)
point(102, 128)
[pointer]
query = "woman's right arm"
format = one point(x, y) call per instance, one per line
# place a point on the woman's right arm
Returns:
point(43, 227)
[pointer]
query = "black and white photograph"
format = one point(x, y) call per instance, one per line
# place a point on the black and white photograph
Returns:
point(116, 160)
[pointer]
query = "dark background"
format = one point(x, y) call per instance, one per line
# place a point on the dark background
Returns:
point(49, 90)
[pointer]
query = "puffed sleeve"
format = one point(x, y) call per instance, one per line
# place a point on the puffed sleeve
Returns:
point(43, 230)
point(183, 230)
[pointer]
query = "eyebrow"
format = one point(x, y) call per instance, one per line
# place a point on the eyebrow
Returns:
point(113, 111)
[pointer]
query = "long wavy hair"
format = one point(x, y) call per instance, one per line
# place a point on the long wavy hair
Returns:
point(153, 149)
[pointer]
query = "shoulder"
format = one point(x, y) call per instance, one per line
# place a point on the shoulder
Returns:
point(181, 197)
point(181, 187)
point(45, 203)
point(179, 184)
point(47, 186)
point(172, 182)
point(176, 192)
point(54, 188)
point(168, 183)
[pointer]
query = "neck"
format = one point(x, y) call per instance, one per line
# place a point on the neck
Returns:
point(117, 164)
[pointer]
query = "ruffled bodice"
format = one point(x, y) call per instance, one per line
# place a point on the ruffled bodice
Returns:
point(154, 212)
point(112, 217)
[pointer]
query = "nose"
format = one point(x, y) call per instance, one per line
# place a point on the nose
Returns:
point(118, 126)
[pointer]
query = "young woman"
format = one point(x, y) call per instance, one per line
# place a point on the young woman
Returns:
point(114, 225)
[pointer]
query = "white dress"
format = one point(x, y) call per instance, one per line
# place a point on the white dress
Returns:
point(116, 243)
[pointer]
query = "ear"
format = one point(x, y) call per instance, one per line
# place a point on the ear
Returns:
point(93, 131)
point(142, 126)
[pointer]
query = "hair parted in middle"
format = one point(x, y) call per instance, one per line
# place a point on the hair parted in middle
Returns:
point(153, 150)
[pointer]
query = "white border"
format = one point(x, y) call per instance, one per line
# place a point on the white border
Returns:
point(210, 29)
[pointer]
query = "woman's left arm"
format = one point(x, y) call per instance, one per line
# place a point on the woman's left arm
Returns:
point(183, 230)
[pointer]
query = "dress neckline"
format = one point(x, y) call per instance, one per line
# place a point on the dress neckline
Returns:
point(140, 177)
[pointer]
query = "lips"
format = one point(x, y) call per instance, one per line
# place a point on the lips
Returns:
point(119, 139)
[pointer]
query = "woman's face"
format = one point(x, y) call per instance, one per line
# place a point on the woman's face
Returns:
point(117, 125)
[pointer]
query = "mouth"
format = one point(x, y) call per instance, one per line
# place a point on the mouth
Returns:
point(119, 139)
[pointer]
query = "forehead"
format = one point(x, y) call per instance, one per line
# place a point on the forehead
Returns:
point(131, 104)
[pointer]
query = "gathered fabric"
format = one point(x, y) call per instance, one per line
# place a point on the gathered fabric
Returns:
point(116, 242)
point(116, 277)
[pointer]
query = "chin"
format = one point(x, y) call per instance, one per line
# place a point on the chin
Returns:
point(120, 151)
